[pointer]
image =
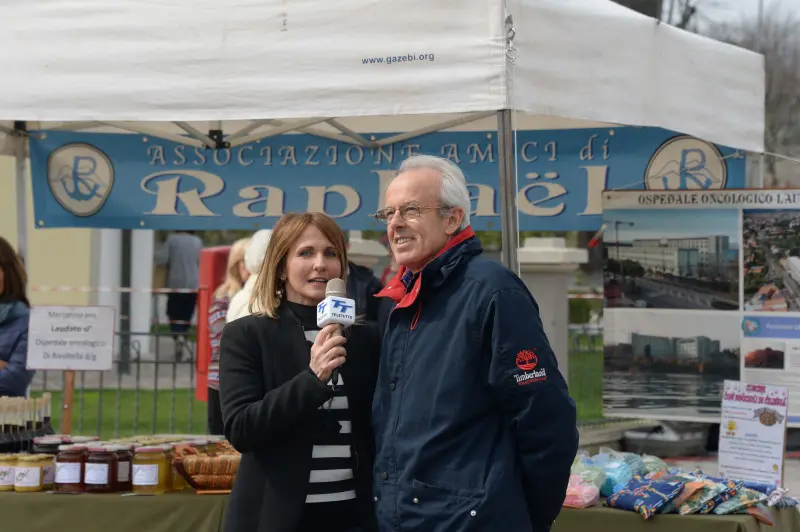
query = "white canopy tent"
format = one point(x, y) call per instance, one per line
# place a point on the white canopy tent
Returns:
point(197, 71)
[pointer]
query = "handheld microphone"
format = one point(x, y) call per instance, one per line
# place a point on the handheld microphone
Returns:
point(336, 308)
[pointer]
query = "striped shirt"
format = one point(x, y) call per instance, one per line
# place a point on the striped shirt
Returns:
point(216, 322)
point(331, 478)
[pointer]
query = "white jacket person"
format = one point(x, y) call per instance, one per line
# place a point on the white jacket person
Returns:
point(253, 258)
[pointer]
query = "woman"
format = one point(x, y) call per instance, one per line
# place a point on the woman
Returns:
point(235, 276)
point(306, 441)
point(253, 259)
point(14, 311)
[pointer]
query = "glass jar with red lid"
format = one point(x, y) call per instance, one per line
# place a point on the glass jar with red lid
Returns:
point(100, 470)
point(69, 469)
point(124, 454)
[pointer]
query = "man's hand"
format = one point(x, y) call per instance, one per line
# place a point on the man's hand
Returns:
point(3, 364)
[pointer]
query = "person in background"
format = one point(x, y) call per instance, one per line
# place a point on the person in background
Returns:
point(253, 258)
point(235, 276)
point(362, 285)
point(14, 314)
point(474, 426)
point(390, 270)
point(181, 254)
point(304, 435)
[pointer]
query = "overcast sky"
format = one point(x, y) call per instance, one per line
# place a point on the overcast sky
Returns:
point(736, 10)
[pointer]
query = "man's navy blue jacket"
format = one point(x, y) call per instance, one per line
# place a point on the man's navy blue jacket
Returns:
point(474, 425)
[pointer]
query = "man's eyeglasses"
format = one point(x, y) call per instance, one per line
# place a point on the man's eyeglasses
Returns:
point(407, 212)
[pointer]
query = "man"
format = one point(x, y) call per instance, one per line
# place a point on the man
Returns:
point(474, 426)
point(181, 254)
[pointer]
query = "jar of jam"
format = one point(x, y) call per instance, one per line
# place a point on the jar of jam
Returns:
point(150, 472)
point(124, 466)
point(100, 470)
point(48, 462)
point(124, 454)
point(46, 445)
point(168, 454)
point(177, 482)
point(28, 473)
point(69, 469)
point(81, 439)
point(7, 465)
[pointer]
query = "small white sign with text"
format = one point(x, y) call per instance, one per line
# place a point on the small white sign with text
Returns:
point(752, 434)
point(71, 338)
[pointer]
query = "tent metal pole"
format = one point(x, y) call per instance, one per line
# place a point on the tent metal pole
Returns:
point(310, 130)
point(125, 304)
point(508, 192)
point(22, 199)
point(285, 128)
point(249, 128)
point(439, 126)
point(197, 134)
point(152, 132)
point(346, 131)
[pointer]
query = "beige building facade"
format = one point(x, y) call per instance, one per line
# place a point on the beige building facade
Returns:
point(56, 257)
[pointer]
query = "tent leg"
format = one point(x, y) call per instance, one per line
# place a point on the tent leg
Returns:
point(508, 192)
point(22, 202)
point(125, 305)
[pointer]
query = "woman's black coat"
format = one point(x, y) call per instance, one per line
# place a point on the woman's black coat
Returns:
point(269, 397)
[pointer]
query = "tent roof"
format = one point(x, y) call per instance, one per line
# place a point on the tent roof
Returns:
point(302, 62)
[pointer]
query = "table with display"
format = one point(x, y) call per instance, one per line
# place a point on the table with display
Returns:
point(189, 512)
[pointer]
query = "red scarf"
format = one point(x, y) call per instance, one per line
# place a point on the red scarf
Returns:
point(396, 288)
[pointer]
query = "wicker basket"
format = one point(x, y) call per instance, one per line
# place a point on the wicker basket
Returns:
point(207, 473)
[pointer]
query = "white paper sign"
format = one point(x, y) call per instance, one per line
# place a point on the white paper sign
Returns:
point(752, 435)
point(71, 338)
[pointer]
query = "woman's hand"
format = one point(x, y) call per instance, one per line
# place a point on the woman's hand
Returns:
point(328, 352)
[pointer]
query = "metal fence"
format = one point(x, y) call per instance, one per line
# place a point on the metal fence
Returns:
point(153, 389)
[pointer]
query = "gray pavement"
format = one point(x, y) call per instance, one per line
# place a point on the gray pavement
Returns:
point(662, 294)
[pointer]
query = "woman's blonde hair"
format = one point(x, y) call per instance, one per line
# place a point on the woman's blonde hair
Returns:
point(233, 280)
point(269, 288)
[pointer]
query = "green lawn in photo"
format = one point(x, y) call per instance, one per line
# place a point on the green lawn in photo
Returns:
point(586, 376)
point(87, 415)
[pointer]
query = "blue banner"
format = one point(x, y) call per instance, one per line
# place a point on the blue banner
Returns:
point(760, 326)
point(127, 181)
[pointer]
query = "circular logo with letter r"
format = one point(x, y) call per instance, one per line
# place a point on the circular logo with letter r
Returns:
point(686, 163)
point(527, 360)
point(80, 177)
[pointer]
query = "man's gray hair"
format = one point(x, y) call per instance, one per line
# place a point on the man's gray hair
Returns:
point(454, 185)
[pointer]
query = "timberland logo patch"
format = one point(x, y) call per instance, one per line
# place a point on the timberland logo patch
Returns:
point(527, 361)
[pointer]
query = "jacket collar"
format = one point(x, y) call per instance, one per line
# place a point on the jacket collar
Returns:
point(462, 247)
point(291, 343)
point(11, 310)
